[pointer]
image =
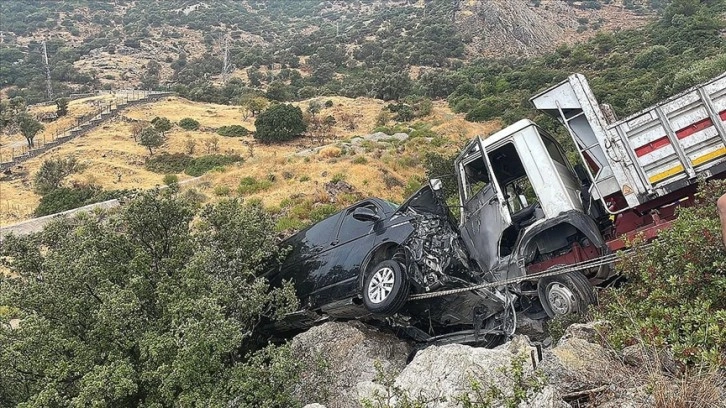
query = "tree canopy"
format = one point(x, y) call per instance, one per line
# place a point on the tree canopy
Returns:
point(279, 123)
point(145, 307)
point(151, 138)
point(29, 127)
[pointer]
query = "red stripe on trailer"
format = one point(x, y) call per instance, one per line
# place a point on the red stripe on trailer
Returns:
point(696, 127)
point(652, 146)
point(681, 134)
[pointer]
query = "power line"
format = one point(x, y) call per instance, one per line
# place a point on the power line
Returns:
point(49, 86)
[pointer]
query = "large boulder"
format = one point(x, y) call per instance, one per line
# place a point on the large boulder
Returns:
point(440, 376)
point(349, 353)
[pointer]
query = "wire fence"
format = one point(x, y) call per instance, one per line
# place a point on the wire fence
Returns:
point(81, 126)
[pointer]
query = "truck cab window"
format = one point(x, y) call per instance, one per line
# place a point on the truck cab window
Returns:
point(476, 178)
point(516, 186)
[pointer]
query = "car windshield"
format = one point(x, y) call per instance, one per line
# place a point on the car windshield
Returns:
point(390, 205)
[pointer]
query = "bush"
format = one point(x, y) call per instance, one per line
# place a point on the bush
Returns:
point(338, 177)
point(322, 212)
point(674, 296)
point(189, 124)
point(166, 163)
point(250, 185)
point(221, 190)
point(63, 199)
point(52, 172)
point(360, 160)
point(170, 179)
point(233, 131)
point(203, 164)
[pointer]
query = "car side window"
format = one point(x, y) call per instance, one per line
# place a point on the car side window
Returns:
point(321, 235)
point(351, 228)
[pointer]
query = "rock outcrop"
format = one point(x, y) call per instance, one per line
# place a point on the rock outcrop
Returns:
point(362, 363)
point(350, 353)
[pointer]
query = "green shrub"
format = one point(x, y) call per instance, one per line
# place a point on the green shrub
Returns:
point(338, 177)
point(288, 224)
point(65, 198)
point(170, 179)
point(189, 124)
point(329, 103)
point(250, 185)
point(304, 179)
point(166, 163)
point(322, 212)
point(221, 190)
point(674, 297)
point(360, 160)
point(233, 131)
point(203, 164)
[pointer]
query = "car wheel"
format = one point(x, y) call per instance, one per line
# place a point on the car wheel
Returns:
point(385, 288)
point(565, 294)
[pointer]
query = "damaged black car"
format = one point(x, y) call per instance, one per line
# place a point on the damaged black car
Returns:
point(367, 261)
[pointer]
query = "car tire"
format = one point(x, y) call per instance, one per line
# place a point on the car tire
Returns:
point(386, 288)
point(565, 294)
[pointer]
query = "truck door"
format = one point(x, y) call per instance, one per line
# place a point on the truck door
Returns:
point(484, 212)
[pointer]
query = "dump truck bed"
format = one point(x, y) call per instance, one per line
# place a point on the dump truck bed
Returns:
point(647, 155)
point(679, 138)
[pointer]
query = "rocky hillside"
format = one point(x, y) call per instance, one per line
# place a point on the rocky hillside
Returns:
point(505, 28)
point(112, 42)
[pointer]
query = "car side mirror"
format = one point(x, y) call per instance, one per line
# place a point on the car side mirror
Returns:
point(435, 184)
point(365, 214)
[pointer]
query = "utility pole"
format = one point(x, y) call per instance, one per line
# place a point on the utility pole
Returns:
point(49, 86)
point(337, 29)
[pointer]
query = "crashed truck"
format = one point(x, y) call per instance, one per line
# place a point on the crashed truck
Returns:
point(535, 234)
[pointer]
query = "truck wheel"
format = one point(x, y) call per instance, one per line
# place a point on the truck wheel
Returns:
point(565, 294)
point(385, 288)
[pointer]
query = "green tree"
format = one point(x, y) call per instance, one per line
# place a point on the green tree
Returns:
point(279, 91)
point(145, 309)
point(279, 123)
point(29, 127)
point(151, 138)
point(52, 172)
point(62, 107)
point(163, 125)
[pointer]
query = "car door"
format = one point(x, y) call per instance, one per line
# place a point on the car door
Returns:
point(484, 212)
point(309, 258)
point(353, 241)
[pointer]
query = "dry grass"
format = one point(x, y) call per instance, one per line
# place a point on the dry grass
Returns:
point(693, 390)
point(114, 161)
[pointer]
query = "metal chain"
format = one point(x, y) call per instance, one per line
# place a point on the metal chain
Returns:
point(559, 270)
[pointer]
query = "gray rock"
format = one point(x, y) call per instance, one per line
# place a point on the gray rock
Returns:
point(585, 331)
point(352, 353)
point(316, 405)
point(441, 374)
point(534, 329)
point(549, 397)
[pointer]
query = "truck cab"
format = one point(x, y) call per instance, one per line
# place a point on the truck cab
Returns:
point(521, 206)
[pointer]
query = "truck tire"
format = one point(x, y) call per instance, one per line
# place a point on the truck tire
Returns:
point(386, 288)
point(565, 294)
